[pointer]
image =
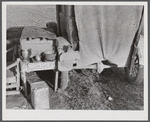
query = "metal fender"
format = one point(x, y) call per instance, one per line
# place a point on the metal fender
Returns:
point(68, 60)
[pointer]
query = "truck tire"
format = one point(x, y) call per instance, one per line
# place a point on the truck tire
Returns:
point(132, 77)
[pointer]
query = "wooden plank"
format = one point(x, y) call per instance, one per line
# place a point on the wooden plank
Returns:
point(38, 66)
point(11, 79)
point(12, 65)
point(12, 92)
point(12, 85)
point(85, 67)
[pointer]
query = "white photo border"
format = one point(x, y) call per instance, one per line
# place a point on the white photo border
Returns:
point(74, 114)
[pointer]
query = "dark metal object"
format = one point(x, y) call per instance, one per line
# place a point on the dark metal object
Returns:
point(50, 57)
point(132, 74)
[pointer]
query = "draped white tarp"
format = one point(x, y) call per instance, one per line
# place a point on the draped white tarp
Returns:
point(106, 32)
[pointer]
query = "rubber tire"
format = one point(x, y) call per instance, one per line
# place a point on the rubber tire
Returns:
point(130, 78)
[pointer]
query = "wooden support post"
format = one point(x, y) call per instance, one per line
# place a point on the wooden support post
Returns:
point(24, 82)
point(18, 74)
point(56, 80)
point(64, 80)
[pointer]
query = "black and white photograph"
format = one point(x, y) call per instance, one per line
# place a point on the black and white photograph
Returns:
point(75, 60)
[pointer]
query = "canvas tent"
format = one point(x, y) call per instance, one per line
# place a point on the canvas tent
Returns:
point(102, 32)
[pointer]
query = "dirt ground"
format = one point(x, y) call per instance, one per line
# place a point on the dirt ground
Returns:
point(87, 90)
point(90, 91)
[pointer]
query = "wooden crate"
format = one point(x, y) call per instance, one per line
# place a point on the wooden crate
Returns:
point(40, 96)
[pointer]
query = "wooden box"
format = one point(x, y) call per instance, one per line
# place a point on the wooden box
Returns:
point(40, 96)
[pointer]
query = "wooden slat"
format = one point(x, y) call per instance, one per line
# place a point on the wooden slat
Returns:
point(40, 66)
point(12, 92)
point(11, 79)
point(12, 65)
point(12, 85)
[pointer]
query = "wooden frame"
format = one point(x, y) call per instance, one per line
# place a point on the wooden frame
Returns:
point(13, 82)
point(37, 66)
